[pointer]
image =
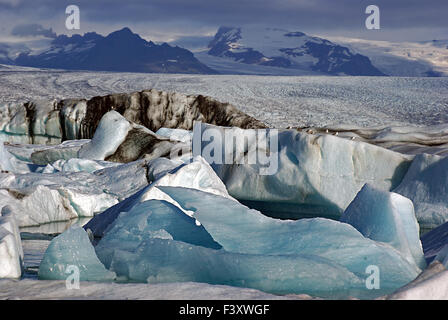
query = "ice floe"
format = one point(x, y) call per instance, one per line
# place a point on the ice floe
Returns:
point(317, 175)
point(63, 196)
point(387, 217)
point(426, 184)
point(163, 172)
point(11, 252)
point(71, 253)
point(155, 241)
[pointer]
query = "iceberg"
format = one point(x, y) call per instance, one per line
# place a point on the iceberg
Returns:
point(54, 121)
point(387, 217)
point(159, 260)
point(149, 242)
point(164, 172)
point(11, 252)
point(434, 241)
point(44, 155)
point(62, 196)
point(317, 175)
point(119, 140)
point(31, 122)
point(71, 251)
point(426, 184)
point(38, 205)
point(242, 230)
point(110, 133)
point(151, 219)
point(6, 159)
point(156, 242)
point(181, 135)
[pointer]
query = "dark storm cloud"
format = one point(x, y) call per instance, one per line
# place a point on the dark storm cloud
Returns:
point(306, 15)
point(25, 30)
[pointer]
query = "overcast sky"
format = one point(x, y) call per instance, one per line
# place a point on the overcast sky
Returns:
point(165, 20)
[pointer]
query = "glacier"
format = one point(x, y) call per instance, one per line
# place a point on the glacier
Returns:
point(51, 121)
point(279, 102)
point(145, 209)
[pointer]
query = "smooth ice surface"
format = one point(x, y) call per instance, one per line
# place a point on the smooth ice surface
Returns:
point(110, 133)
point(317, 175)
point(35, 289)
point(72, 248)
point(162, 260)
point(426, 184)
point(163, 172)
point(387, 217)
point(11, 252)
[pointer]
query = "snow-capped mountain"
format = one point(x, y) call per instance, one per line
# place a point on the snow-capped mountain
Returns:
point(413, 59)
point(121, 50)
point(293, 50)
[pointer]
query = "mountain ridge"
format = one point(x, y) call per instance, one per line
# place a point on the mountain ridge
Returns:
point(121, 50)
point(282, 48)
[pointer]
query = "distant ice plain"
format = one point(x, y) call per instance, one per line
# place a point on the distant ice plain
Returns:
point(279, 101)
